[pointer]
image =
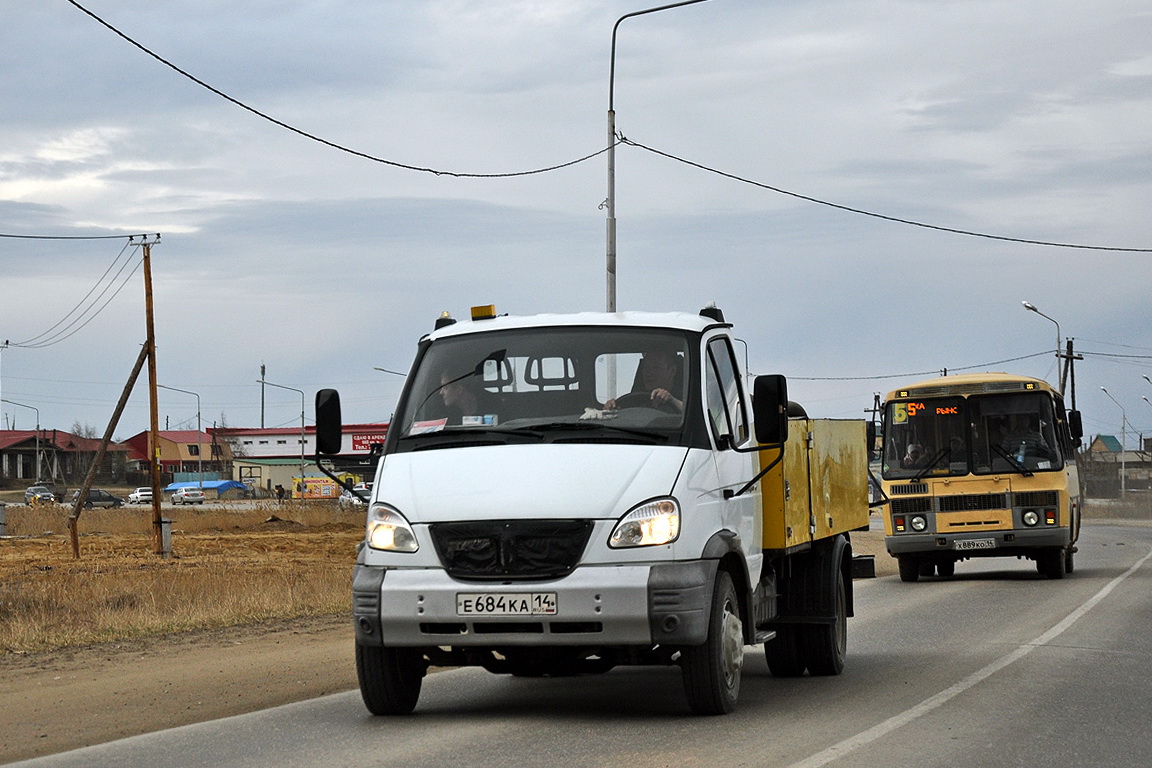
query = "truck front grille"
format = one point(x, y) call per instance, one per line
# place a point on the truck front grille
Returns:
point(511, 549)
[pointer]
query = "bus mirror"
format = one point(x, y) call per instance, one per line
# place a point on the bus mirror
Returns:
point(1075, 425)
point(870, 431)
point(770, 409)
point(329, 429)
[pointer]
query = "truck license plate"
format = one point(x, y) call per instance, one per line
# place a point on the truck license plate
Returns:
point(975, 544)
point(505, 603)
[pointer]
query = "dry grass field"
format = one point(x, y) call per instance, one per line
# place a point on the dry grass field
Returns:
point(231, 565)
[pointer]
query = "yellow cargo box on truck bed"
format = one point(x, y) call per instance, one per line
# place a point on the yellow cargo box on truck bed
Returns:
point(820, 488)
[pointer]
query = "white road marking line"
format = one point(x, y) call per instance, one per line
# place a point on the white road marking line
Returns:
point(846, 746)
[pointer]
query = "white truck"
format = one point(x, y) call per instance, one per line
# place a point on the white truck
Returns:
point(562, 494)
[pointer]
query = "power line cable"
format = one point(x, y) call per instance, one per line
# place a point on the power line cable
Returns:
point(72, 237)
point(65, 333)
point(319, 139)
point(620, 139)
point(895, 219)
point(919, 373)
point(79, 303)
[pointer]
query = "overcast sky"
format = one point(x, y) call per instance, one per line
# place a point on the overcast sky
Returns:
point(1021, 119)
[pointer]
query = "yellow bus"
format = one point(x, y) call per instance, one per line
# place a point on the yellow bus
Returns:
point(980, 465)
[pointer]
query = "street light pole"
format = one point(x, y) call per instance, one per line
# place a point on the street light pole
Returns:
point(13, 402)
point(1123, 442)
point(293, 389)
point(199, 432)
point(610, 202)
point(1032, 308)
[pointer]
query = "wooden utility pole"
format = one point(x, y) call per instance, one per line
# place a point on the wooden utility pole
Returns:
point(153, 401)
point(90, 476)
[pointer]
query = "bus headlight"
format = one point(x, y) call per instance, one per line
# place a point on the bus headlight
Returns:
point(652, 523)
point(1030, 517)
point(919, 523)
point(389, 531)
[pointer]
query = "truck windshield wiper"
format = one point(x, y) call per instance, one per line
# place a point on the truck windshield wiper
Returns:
point(591, 425)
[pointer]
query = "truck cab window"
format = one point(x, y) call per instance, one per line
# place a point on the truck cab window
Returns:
point(726, 413)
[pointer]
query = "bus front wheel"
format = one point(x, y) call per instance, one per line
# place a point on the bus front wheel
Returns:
point(1052, 563)
point(909, 568)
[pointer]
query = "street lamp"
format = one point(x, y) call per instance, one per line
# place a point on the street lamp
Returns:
point(199, 448)
point(1032, 308)
point(1123, 441)
point(610, 202)
point(13, 402)
point(293, 389)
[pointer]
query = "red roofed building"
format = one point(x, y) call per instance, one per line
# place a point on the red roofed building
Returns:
point(180, 451)
point(63, 457)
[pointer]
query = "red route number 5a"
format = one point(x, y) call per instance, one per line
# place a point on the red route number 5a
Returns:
point(901, 412)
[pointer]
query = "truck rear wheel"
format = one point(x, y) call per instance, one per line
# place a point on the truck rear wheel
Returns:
point(827, 644)
point(783, 652)
point(909, 568)
point(712, 670)
point(390, 678)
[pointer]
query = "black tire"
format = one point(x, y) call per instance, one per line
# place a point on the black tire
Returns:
point(909, 568)
point(1069, 559)
point(1051, 563)
point(826, 644)
point(783, 653)
point(390, 678)
point(946, 568)
point(712, 670)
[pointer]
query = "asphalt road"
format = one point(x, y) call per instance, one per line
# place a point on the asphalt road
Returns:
point(995, 667)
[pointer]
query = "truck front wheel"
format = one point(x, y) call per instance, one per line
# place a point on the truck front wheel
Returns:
point(712, 670)
point(390, 678)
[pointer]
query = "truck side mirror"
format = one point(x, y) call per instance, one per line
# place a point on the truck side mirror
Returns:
point(870, 430)
point(329, 428)
point(770, 409)
point(1075, 425)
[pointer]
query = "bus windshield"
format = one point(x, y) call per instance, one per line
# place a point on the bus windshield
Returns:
point(980, 434)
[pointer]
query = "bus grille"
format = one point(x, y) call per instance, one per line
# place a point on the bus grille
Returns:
point(908, 490)
point(973, 502)
point(911, 506)
point(1037, 499)
point(511, 549)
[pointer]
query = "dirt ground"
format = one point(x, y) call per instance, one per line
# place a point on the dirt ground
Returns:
point(63, 700)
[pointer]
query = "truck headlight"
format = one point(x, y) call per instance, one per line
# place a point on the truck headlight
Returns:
point(652, 523)
point(919, 523)
point(388, 530)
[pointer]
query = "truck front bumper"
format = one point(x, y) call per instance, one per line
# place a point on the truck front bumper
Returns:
point(626, 605)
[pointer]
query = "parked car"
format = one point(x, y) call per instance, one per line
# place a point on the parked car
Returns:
point(188, 496)
point(98, 498)
point(357, 497)
point(38, 494)
point(140, 496)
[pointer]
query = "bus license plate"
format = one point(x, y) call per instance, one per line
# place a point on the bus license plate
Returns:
point(975, 544)
point(505, 603)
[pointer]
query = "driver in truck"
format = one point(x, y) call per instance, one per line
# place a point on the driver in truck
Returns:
point(659, 374)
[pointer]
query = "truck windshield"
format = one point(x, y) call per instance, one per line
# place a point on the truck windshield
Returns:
point(534, 381)
point(981, 434)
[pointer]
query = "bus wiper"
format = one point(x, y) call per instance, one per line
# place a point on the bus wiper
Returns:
point(931, 464)
point(1023, 470)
